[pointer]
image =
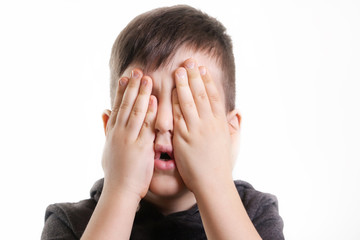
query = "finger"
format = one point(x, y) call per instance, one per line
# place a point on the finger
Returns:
point(140, 107)
point(186, 100)
point(217, 106)
point(197, 88)
point(179, 121)
point(118, 97)
point(147, 132)
point(129, 97)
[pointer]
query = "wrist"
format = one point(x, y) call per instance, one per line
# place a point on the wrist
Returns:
point(113, 216)
point(119, 193)
point(214, 186)
point(213, 183)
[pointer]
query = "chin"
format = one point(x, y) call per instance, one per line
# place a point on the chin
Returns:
point(166, 185)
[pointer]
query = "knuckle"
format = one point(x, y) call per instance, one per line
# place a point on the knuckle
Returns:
point(202, 95)
point(114, 111)
point(214, 98)
point(188, 104)
point(207, 80)
point(178, 116)
point(125, 104)
point(147, 123)
point(137, 111)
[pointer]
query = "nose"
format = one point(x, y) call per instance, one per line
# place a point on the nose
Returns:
point(164, 119)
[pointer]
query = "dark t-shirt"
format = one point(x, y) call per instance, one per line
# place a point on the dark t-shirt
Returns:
point(69, 220)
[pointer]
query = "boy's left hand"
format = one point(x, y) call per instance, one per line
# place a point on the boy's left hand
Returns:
point(201, 140)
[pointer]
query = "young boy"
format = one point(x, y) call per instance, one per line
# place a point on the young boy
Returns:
point(171, 141)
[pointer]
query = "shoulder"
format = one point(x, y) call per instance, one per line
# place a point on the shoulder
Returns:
point(253, 199)
point(262, 209)
point(67, 219)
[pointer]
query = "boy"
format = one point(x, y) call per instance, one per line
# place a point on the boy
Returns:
point(171, 141)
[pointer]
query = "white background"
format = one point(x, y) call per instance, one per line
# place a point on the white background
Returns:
point(298, 92)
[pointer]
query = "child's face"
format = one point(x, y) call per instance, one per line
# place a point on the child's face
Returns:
point(166, 181)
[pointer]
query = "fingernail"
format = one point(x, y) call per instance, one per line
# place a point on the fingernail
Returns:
point(202, 70)
point(122, 81)
point(135, 74)
point(181, 73)
point(190, 64)
point(144, 81)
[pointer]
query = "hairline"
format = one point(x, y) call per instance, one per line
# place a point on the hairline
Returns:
point(211, 53)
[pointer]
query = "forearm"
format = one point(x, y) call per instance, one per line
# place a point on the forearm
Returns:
point(222, 212)
point(113, 216)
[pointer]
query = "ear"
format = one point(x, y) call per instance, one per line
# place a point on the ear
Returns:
point(234, 121)
point(105, 117)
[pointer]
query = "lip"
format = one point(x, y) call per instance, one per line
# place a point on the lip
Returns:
point(164, 148)
point(161, 164)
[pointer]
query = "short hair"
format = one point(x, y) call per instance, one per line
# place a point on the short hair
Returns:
point(152, 38)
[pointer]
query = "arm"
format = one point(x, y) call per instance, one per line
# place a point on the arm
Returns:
point(113, 216)
point(128, 159)
point(202, 148)
point(223, 213)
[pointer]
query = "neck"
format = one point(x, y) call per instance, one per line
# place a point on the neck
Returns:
point(171, 204)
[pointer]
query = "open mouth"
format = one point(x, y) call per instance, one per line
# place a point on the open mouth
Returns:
point(164, 160)
point(165, 157)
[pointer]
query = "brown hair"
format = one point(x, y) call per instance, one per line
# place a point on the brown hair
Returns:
point(152, 38)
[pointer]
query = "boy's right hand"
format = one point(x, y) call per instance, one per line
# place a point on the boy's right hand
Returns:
point(128, 157)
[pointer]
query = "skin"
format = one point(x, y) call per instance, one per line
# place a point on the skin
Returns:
point(178, 106)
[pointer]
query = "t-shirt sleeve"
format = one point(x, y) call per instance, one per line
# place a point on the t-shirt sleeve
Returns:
point(267, 220)
point(55, 228)
point(67, 220)
point(263, 211)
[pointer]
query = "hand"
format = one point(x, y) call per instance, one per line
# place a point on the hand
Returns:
point(128, 157)
point(202, 142)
